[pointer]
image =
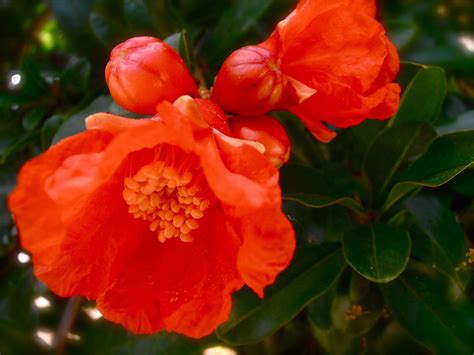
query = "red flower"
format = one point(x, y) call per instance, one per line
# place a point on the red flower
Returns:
point(328, 61)
point(159, 219)
point(144, 71)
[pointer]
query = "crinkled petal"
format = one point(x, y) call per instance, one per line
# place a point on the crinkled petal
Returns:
point(180, 287)
point(60, 233)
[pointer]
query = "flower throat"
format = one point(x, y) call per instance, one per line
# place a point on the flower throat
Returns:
point(170, 193)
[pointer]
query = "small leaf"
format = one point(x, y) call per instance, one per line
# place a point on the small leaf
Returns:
point(313, 271)
point(313, 188)
point(433, 309)
point(423, 98)
point(378, 252)
point(446, 157)
point(391, 152)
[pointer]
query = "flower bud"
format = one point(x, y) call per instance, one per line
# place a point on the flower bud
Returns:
point(267, 131)
point(144, 71)
point(249, 82)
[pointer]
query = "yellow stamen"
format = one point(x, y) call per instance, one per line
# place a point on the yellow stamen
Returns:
point(170, 199)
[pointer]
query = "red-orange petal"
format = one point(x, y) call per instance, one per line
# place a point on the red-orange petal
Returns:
point(180, 287)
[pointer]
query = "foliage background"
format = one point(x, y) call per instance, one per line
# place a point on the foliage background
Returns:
point(52, 59)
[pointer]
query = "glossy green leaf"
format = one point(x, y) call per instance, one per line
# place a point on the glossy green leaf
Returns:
point(392, 150)
point(433, 309)
point(446, 157)
point(429, 82)
point(378, 252)
point(315, 188)
point(313, 270)
point(233, 24)
point(437, 238)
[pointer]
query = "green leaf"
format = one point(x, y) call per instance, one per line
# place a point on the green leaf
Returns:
point(463, 183)
point(305, 150)
point(240, 17)
point(49, 130)
point(433, 309)
point(315, 226)
point(34, 117)
point(423, 98)
point(76, 123)
point(314, 188)
point(392, 150)
point(437, 238)
point(378, 252)
point(181, 43)
point(408, 71)
point(446, 157)
point(313, 271)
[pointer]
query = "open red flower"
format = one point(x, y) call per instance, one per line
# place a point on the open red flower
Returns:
point(328, 61)
point(158, 219)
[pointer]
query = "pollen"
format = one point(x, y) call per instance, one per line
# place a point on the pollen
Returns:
point(170, 196)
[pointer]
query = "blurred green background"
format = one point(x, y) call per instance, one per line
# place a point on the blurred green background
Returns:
point(52, 59)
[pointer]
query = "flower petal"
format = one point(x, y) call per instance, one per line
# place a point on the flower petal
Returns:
point(181, 287)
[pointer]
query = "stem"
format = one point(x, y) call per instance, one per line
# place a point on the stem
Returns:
point(66, 323)
point(203, 90)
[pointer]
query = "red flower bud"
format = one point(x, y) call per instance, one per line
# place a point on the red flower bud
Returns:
point(327, 62)
point(249, 82)
point(144, 71)
point(267, 131)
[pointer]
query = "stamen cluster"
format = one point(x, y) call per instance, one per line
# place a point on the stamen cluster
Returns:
point(170, 199)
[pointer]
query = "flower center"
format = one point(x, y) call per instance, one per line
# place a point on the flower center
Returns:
point(171, 198)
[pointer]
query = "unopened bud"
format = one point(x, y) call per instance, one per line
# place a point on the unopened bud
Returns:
point(249, 82)
point(267, 131)
point(144, 71)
